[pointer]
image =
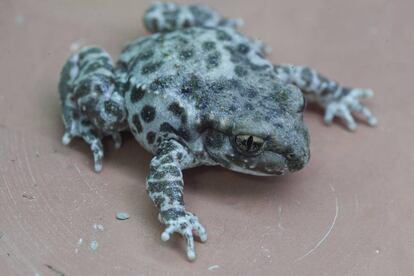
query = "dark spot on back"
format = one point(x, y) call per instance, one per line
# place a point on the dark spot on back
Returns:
point(186, 54)
point(151, 67)
point(195, 82)
point(251, 93)
point(161, 83)
point(137, 94)
point(213, 59)
point(249, 106)
point(240, 71)
point(209, 45)
point(146, 55)
point(217, 87)
point(150, 137)
point(232, 108)
point(243, 48)
point(223, 36)
point(186, 89)
point(178, 111)
point(148, 113)
point(137, 123)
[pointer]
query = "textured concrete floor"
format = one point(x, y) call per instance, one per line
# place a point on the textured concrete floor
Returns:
point(349, 212)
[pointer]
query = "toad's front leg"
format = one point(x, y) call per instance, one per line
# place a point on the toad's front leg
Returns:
point(165, 187)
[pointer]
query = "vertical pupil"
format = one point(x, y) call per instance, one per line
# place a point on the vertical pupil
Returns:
point(249, 143)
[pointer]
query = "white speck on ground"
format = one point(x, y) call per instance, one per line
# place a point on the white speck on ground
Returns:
point(74, 46)
point(213, 267)
point(80, 241)
point(266, 251)
point(122, 216)
point(98, 227)
point(93, 245)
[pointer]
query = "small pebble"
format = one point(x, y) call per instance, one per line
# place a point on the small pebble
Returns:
point(94, 245)
point(99, 227)
point(122, 216)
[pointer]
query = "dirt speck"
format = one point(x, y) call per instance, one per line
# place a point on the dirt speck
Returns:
point(28, 196)
point(56, 271)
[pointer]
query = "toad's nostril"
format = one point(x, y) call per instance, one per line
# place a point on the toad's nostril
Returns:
point(297, 161)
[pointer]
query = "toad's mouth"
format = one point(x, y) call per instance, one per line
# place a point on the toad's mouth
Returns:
point(268, 164)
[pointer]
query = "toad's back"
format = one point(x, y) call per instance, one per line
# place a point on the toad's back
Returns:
point(175, 78)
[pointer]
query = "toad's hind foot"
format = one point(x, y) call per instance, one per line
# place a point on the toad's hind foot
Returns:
point(92, 102)
point(338, 101)
point(93, 139)
point(348, 102)
point(67, 138)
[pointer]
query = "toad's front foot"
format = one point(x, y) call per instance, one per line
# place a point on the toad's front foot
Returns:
point(347, 102)
point(185, 223)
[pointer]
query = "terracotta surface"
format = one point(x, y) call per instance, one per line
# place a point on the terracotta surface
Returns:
point(349, 212)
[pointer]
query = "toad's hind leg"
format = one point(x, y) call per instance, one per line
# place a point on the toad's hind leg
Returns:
point(96, 147)
point(335, 99)
point(166, 17)
point(92, 103)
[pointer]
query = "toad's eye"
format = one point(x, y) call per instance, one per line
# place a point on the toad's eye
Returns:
point(248, 144)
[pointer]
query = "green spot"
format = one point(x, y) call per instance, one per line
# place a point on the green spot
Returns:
point(122, 216)
point(93, 245)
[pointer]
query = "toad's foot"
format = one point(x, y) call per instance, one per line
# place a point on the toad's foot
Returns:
point(91, 137)
point(336, 99)
point(185, 223)
point(347, 102)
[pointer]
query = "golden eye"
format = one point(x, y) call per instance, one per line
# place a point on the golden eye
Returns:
point(248, 143)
